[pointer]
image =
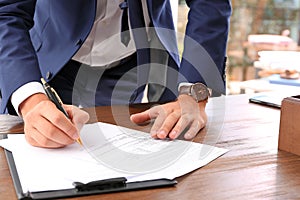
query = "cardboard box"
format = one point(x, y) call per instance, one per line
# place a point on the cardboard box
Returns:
point(289, 130)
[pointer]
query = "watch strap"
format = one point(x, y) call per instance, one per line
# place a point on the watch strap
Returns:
point(185, 89)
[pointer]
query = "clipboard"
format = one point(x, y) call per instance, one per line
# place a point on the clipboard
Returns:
point(92, 188)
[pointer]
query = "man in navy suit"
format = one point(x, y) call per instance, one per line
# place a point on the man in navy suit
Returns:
point(75, 46)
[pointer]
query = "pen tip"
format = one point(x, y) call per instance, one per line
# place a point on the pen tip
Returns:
point(79, 141)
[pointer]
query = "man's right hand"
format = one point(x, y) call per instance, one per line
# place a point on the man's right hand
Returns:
point(46, 126)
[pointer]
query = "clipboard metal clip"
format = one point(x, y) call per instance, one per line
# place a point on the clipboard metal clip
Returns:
point(101, 184)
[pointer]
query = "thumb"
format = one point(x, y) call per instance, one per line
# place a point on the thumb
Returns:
point(140, 117)
point(78, 116)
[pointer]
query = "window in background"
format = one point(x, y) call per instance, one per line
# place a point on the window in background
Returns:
point(258, 18)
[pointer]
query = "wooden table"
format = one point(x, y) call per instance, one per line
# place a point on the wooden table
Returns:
point(252, 169)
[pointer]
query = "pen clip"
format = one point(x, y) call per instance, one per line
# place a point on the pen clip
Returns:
point(57, 97)
point(101, 184)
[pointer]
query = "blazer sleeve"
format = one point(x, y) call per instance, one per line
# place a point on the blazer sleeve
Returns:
point(204, 54)
point(18, 61)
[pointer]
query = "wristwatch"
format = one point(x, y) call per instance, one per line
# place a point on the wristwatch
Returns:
point(198, 91)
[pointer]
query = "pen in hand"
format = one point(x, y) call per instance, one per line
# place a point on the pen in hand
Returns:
point(53, 96)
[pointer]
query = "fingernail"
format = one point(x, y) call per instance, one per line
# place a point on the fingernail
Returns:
point(153, 133)
point(154, 136)
point(173, 134)
point(188, 136)
point(162, 133)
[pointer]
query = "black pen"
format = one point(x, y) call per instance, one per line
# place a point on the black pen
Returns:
point(53, 96)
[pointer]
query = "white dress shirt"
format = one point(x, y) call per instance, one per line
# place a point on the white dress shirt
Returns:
point(102, 47)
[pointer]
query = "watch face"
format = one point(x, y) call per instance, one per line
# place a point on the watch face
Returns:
point(199, 91)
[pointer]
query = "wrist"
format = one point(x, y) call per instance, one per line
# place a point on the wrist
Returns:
point(23, 92)
point(185, 100)
point(202, 104)
point(30, 102)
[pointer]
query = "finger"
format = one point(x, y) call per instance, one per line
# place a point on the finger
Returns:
point(146, 115)
point(156, 130)
point(195, 127)
point(180, 126)
point(140, 117)
point(78, 116)
point(168, 125)
point(49, 132)
point(36, 139)
point(57, 118)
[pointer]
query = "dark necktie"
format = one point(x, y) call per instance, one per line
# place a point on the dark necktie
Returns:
point(125, 34)
point(137, 22)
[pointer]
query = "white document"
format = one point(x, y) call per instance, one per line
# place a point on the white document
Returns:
point(109, 151)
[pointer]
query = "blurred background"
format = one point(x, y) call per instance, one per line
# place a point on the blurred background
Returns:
point(263, 47)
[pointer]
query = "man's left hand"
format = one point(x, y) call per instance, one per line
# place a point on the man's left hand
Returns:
point(171, 119)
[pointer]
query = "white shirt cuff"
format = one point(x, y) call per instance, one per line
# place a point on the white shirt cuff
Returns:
point(24, 92)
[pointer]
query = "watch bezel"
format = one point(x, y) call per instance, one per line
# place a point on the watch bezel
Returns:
point(199, 92)
point(190, 89)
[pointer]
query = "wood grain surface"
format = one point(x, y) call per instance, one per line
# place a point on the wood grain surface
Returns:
point(252, 169)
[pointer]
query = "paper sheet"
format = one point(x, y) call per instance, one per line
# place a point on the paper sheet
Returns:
point(120, 152)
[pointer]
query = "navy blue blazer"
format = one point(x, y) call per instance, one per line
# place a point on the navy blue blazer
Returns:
point(37, 38)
